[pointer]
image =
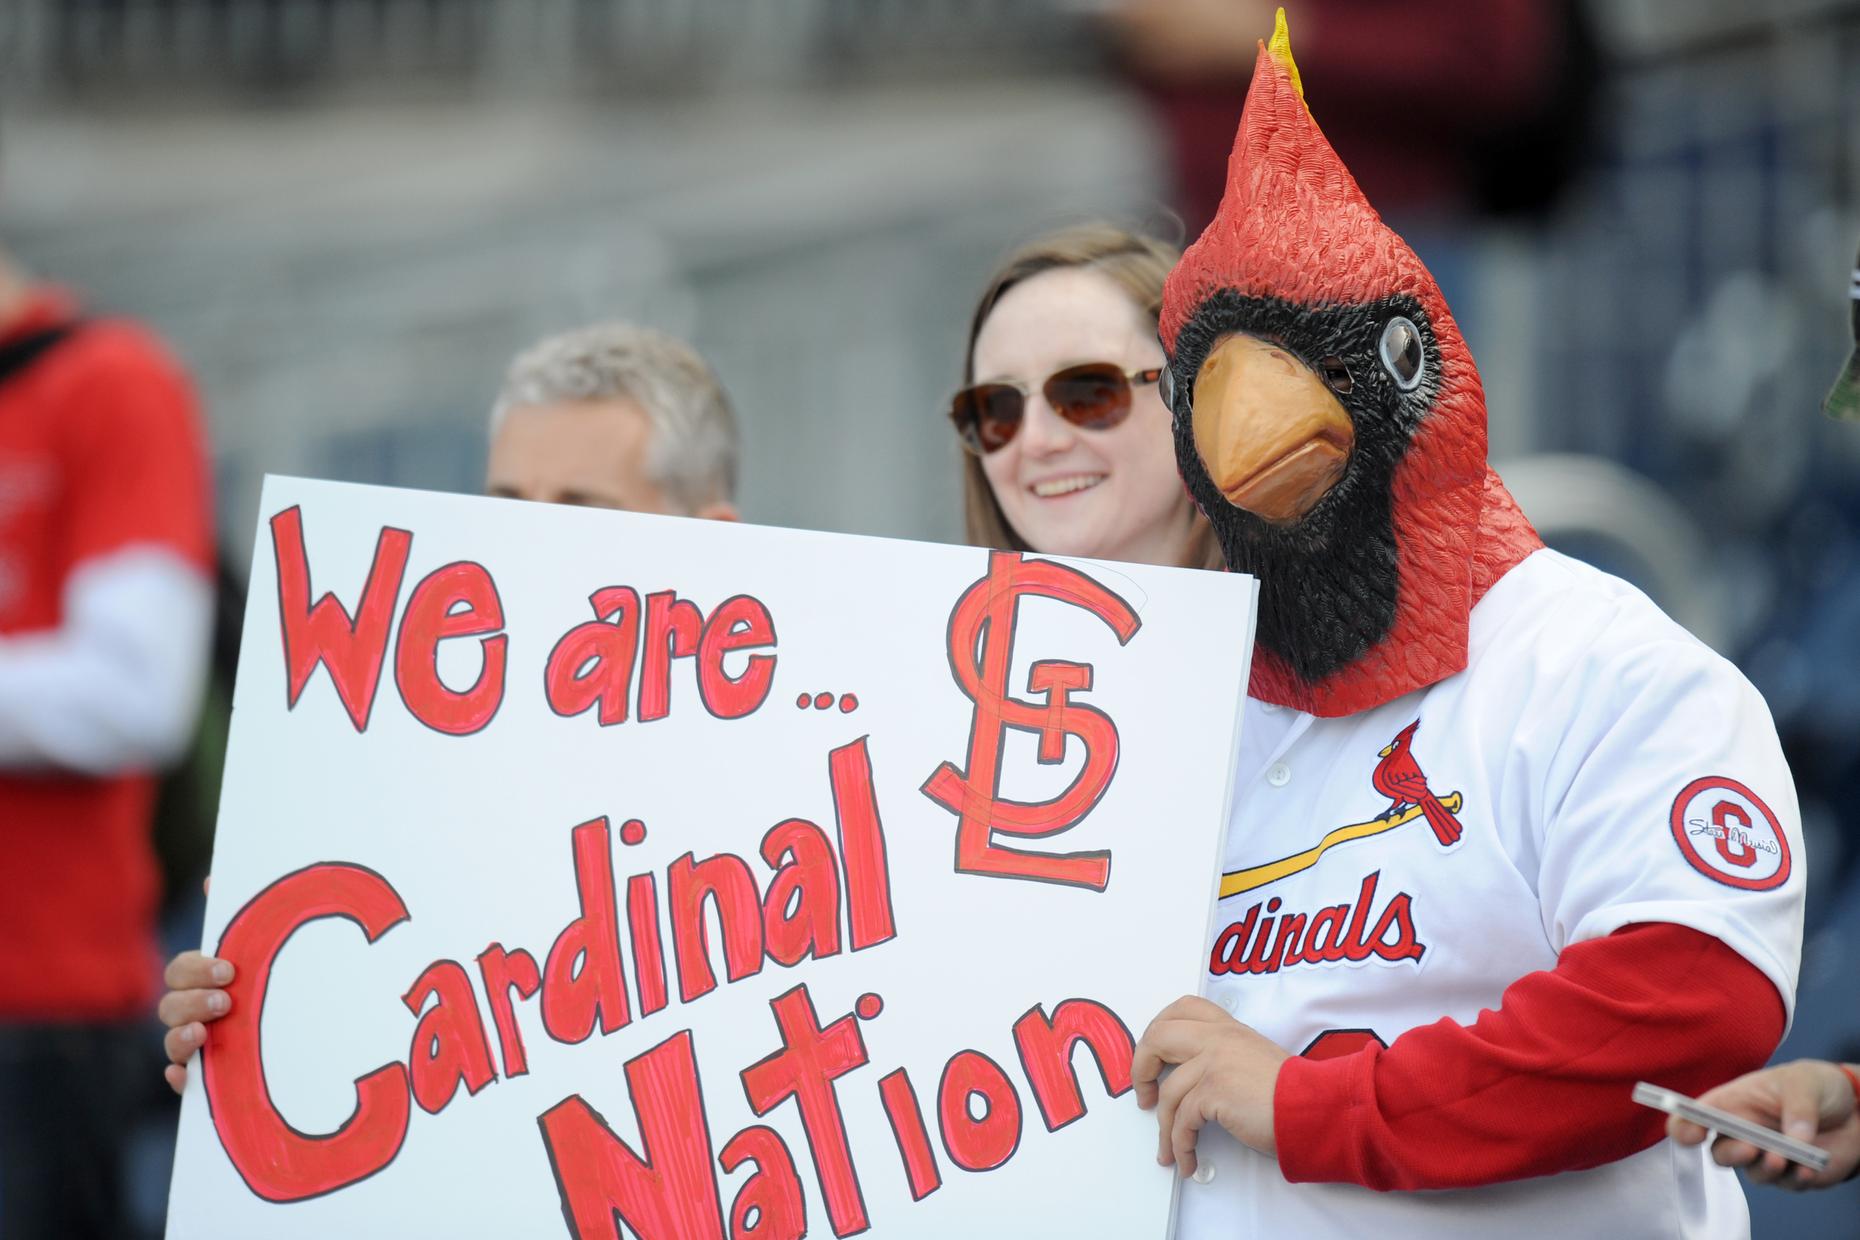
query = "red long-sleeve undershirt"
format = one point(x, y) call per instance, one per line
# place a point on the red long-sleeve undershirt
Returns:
point(1542, 1084)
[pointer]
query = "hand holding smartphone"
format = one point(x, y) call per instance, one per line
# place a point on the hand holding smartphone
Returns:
point(1726, 1124)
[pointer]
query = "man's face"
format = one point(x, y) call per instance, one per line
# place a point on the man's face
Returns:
point(588, 452)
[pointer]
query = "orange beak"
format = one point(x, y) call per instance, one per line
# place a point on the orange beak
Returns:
point(1273, 437)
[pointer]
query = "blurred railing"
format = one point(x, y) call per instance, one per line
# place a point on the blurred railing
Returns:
point(60, 47)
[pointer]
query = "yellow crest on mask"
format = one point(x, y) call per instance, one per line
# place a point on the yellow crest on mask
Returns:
point(1280, 49)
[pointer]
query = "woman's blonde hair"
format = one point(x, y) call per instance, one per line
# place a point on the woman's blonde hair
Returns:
point(1136, 264)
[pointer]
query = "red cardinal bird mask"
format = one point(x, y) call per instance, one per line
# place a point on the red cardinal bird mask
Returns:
point(1330, 422)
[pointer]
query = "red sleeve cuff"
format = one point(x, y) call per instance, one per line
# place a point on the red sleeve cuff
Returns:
point(1318, 1108)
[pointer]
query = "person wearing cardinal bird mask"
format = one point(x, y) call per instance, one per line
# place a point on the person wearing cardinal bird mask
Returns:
point(1505, 839)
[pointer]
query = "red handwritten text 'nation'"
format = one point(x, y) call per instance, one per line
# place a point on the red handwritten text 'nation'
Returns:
point(669, 1188)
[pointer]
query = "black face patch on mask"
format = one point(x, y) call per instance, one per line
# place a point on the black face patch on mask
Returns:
point(1329, 581)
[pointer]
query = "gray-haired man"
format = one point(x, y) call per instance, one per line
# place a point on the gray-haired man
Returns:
point(615, 416)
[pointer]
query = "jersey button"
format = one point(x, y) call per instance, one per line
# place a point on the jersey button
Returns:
point(1278, 774)
point(1204, 1172)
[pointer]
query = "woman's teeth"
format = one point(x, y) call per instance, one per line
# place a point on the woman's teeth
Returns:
point(1065, 486)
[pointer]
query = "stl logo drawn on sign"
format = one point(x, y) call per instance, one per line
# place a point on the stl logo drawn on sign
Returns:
point(981, 650)
point(1729, 835)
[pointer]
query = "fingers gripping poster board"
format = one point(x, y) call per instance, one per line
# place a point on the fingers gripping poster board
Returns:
point(613, 875)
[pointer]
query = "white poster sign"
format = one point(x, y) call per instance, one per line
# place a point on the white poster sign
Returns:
point(616, 875)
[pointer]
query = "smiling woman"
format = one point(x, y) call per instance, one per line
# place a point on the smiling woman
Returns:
point(1068, 443)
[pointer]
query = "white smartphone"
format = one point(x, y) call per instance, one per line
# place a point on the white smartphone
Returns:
point(1726, 1124)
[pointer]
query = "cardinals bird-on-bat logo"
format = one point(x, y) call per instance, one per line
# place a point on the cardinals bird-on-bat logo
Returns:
point(1398, 776)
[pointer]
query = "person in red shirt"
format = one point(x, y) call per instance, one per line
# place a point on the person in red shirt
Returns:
point(105, 616)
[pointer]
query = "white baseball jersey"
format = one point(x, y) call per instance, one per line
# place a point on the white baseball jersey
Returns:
point(1603, 768)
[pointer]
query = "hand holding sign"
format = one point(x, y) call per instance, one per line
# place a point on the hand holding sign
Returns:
point(196, 995)
point(1219, 1071)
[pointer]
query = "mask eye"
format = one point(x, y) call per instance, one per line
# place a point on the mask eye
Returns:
point(1401, 353)
point(1165, 386)
point(1336, 375)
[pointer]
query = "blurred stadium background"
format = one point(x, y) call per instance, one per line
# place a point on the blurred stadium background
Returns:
point(348, 214)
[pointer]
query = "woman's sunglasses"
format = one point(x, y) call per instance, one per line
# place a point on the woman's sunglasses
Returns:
point(1093, 396)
